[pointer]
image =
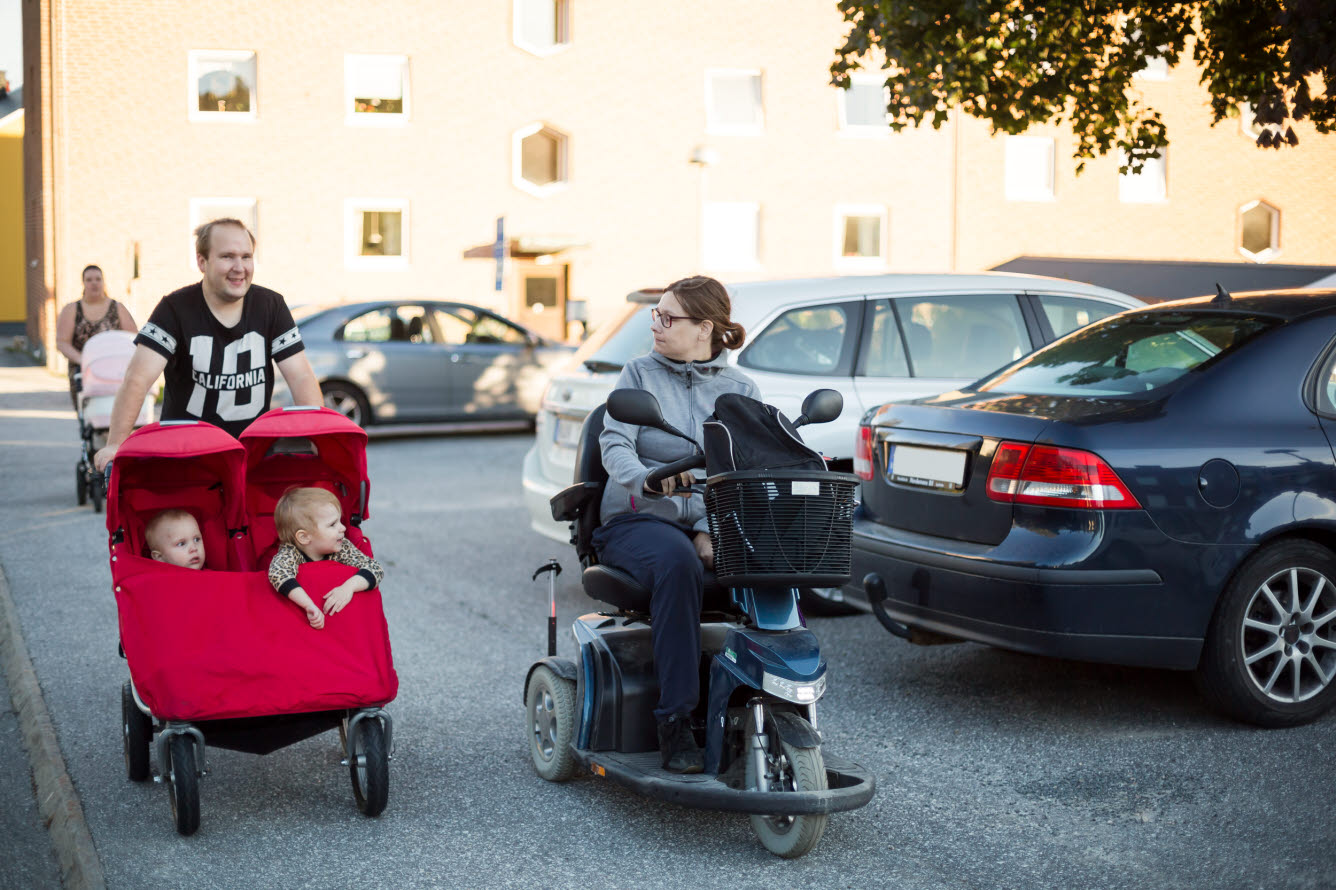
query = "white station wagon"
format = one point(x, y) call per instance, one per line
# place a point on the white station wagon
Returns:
point(876, 339)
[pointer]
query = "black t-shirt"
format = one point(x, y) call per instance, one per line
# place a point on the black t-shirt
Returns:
point(214, 373)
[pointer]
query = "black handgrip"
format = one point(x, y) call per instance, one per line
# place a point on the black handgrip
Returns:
point(659, 474)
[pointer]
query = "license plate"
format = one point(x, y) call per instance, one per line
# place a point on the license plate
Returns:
point(567, 431)
point(937, 468)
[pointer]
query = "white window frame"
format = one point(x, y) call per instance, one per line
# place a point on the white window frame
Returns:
point(715, 126)
point(353, 208)
point(1132, 187)
point(711, 260)
point(862, 131)
point(517, 160)
point(1018, 175)
point(193, 59)
point(862, 263)
point(198, 218)
point(1261, 256)
point(354, 118)
point(563, 40)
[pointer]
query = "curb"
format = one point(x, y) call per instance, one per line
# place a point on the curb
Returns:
point(80, 868)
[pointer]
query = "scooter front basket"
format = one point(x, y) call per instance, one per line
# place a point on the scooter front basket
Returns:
point(781, 527)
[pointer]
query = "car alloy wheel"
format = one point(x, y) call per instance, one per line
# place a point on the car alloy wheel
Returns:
point(1288, 638)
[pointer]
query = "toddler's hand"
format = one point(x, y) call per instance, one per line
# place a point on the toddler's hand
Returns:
point(337, 598)
point(315, 616)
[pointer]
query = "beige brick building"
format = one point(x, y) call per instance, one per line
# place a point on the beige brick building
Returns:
point(375, 146)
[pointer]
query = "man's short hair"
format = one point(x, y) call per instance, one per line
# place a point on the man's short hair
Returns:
point(204, 234)
point(157, 522)
point(295, 511)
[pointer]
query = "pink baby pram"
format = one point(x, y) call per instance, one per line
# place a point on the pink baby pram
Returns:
point(104, 360)
point(216, 656)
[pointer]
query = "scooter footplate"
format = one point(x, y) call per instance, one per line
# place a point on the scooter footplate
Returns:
point(851, 786)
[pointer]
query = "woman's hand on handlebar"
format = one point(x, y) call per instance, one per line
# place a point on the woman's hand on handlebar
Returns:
point(704, 548)
point(679, 485)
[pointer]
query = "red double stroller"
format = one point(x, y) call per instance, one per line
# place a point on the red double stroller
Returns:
point(216, 656)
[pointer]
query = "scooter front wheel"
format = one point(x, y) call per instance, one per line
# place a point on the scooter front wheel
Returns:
point(550, 720)
point(789, 769)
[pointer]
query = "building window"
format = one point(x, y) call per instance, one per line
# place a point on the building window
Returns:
point(862, 107)
point(1259, 231)
point(542, 26)
point(375, 89)
point(375, 232)
point(222, 85)
point(733, 101)
point(860, 237)
point(1029, 168)
point(539, 153)
point(730, 235)
point(1149, 186)
point(204, 210)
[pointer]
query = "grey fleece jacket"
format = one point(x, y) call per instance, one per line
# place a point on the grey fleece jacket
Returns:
point(686, 392)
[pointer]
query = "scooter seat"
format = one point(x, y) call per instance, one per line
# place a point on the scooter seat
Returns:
point(611, 585)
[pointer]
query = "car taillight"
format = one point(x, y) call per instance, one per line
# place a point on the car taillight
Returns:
point(863, 453)
point(1055, 477)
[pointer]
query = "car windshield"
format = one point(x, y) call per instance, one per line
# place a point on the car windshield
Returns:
point(618, 340)
point(1128, 354)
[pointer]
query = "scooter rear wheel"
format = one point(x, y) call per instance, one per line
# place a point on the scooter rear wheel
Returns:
point(550, 722)
point(790, 769)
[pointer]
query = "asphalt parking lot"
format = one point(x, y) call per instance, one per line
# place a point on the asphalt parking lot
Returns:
point(994, 769)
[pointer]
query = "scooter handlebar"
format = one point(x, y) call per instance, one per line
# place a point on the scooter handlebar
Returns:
point(659, 474)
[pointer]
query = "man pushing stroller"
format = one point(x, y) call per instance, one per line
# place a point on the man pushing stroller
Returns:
point(215, 341)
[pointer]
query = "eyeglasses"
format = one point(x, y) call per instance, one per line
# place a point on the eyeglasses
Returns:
point(666, 321)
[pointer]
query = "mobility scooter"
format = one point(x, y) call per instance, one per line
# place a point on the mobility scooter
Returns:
point(773, 530)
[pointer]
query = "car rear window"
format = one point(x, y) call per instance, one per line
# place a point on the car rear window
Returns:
point(1128, 354)
point(618, 341)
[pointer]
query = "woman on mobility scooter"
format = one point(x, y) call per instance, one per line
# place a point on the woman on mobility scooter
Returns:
point(660, 536)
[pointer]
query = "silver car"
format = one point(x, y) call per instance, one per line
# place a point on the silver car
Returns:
point(417, 361)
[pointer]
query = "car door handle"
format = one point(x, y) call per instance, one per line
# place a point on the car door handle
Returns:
point(355, 353)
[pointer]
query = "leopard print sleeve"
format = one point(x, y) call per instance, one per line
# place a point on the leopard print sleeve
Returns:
point(367, 567)
point(283, 569)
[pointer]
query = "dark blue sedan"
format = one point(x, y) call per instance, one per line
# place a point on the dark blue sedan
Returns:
point(1156, 489)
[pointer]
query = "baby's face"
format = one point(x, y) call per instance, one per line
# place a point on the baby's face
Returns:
point(178, 542)
point(327, 536)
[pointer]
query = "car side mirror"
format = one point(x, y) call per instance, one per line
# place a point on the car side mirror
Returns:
point(821, 406)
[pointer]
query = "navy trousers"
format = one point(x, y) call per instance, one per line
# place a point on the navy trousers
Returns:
point(660, 555)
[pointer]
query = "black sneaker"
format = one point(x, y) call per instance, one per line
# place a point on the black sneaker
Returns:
point(678, 745)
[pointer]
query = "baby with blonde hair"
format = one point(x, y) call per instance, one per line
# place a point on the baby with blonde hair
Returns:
point(309, 522)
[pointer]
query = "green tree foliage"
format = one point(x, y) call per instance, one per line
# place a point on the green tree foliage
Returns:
point(1015, 63)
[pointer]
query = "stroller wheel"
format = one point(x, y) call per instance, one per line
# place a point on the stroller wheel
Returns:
point(81, 483)
point(183, 784)
point(136, 736)
point(369, 766)
point(96, 493)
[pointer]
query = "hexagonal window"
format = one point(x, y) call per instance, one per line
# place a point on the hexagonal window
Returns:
point(1259, 231)
point(540, 158)
point(542, 26)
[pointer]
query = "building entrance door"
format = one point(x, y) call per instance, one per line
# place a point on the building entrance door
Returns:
point(542, 297)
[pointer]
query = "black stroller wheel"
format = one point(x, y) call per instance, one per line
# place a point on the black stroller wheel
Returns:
point(183, 784)
point(136, 736)
point(369, 766)
point(96, 493)
point(81, 483)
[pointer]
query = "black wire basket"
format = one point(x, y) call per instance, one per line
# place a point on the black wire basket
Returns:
point(786, 527)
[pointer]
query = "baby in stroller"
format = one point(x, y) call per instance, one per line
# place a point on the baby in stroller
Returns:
point(221, 661)
point(308, 523)
point(173, 536)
